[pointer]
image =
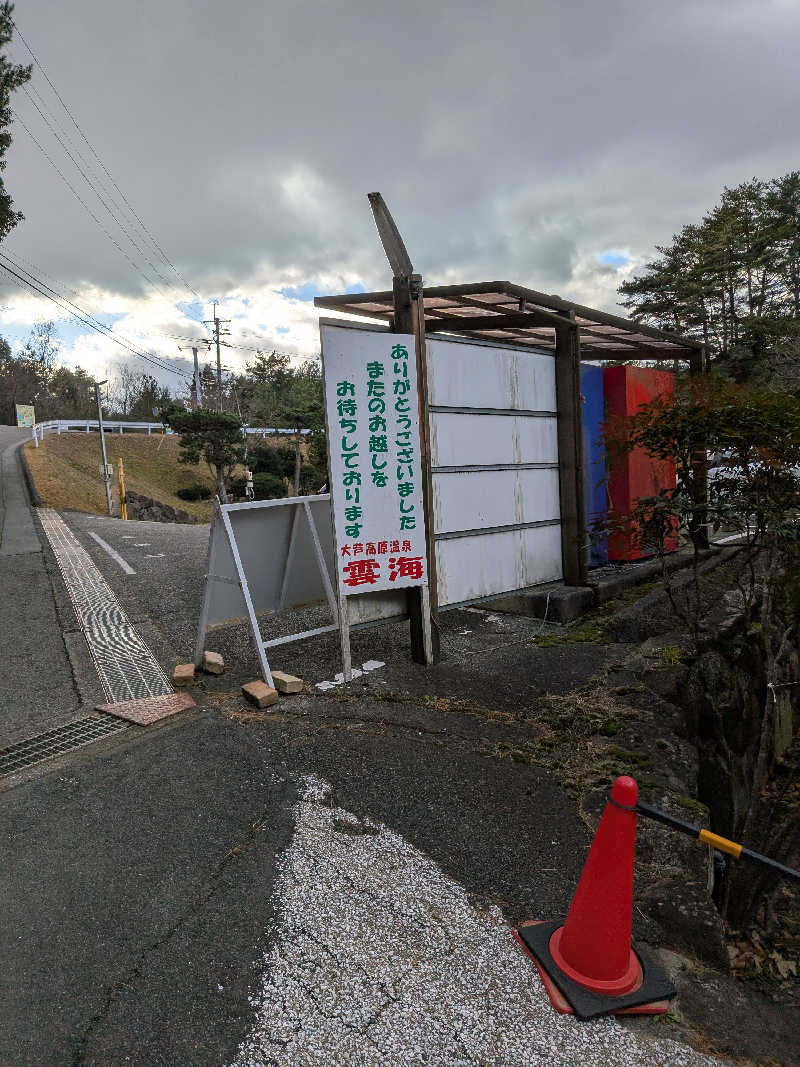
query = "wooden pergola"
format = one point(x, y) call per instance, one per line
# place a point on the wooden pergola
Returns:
point(500, 312)
point(512, 314)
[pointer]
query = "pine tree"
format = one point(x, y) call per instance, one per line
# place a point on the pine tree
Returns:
point(12, 77)
point(733, 282)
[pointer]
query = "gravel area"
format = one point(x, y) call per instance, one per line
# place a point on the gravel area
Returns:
point(378, 958)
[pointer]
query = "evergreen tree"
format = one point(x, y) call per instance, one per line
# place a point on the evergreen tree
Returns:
point(733, 281)
point(12, 77)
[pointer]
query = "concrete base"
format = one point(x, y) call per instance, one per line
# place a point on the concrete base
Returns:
point(555, 602)
point(564, 603)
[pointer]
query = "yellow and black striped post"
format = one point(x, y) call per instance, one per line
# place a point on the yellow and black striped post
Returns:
point(123, 504)
point(723, 844)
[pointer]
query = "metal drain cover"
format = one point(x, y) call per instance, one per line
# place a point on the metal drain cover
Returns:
point(145, 712)
point(57, 741)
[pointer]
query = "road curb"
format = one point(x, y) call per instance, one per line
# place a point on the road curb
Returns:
point(33, 493)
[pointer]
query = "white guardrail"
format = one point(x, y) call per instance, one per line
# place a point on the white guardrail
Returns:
point(119, 426)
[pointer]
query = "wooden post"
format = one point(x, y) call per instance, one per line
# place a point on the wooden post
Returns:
point(698, 527)
point(574, 549)
point(409, 317)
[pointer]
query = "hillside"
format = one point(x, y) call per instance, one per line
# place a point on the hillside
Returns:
point(66, 471)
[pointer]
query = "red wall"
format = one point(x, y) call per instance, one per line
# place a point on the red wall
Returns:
point(637, 474)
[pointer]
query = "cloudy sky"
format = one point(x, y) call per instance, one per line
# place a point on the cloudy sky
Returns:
point(549, 143)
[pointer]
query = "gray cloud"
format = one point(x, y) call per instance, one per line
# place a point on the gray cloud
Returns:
point(518, 141)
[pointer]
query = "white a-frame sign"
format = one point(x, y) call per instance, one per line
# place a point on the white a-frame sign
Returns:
point(372, 417)
point(266, 557)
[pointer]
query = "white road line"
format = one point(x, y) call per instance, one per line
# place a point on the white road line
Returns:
point(114, 555)
point(154, 555)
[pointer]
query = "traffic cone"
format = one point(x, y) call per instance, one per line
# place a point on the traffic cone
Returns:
point(587, 964)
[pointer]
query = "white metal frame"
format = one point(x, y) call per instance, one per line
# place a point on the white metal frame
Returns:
point(223, 512)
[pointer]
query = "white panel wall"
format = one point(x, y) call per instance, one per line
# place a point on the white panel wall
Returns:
point(459, 440)
point(500, 562)
point(493, 407)
point(461, 374)
point(477, 499)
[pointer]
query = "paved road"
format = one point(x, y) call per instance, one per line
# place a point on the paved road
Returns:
point(328, 882)
point(37, 684)
point(185, 898)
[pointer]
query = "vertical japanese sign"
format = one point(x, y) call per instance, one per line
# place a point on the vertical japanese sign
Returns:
point(25, 415)
point(374, 452)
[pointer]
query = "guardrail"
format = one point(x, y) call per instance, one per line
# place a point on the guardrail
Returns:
point(120, 426)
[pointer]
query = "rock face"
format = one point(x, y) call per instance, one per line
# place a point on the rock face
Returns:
point(144, 507)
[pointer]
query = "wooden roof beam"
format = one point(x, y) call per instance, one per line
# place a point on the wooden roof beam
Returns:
point(556, 302)
point(512, 321)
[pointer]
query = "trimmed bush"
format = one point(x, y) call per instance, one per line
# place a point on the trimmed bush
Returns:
point(194, 492)
point(268, 486)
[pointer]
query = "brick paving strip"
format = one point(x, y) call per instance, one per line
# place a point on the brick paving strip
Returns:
point(128, 670)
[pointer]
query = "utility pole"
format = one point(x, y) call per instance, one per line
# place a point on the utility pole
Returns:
point(215, 322)
point(197, 400)
point(106, 474)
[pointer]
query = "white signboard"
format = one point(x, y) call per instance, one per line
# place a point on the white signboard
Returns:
point(373, 443)
point(25, 415)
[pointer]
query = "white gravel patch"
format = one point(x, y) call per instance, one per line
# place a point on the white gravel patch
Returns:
point(378, 958)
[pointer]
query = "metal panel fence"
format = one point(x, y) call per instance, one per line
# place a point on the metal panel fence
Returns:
point(494, 452)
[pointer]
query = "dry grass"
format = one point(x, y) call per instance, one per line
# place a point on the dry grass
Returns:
point(66, 471)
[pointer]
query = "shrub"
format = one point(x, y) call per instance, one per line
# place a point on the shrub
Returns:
point(268, 486)
point(194, 492)
point(265, 459)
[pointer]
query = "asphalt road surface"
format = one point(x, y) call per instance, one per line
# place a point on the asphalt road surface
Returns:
point(331, 881)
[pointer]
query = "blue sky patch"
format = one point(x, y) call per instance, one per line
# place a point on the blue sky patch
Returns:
point(614, 257)
point(301, 292)
point(311, 290)
point(67, 331)
point(192, 309)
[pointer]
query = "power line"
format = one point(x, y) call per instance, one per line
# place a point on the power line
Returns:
point(105, 169)
point(80, 199)
point(92, 185)
point(41, 289)
point(14, 255)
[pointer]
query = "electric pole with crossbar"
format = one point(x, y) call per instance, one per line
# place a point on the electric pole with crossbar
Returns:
point(216, 323)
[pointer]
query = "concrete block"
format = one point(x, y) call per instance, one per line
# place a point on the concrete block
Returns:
point(213, 663)
point(287, 683)
point(260, 694)
point(183, 674)
point(561, 603)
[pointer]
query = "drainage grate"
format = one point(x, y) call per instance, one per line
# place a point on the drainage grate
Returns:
point(126, 666)
point(57, 741)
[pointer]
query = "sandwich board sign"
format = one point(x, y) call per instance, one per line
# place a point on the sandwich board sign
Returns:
point(266, 557)
point(372, 419)
point(25, 415)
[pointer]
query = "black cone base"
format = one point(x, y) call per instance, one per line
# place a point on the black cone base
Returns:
point(652, 994)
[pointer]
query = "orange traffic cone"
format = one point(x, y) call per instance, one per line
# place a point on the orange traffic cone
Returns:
point(587, 964)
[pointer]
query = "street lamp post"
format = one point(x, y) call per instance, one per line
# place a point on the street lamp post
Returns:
point(106, 474)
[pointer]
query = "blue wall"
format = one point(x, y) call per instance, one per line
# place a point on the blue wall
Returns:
point(594, 456)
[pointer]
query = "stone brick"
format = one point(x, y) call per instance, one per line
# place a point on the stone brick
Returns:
point(213, 663)
point(183, 674)
point(260, 694)
point(287, 683)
